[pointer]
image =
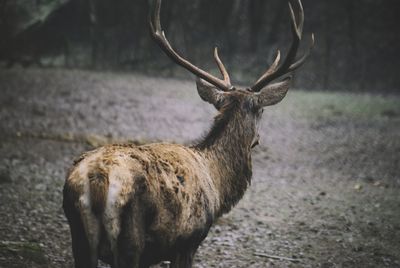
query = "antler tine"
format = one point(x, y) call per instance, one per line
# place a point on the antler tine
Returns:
point(221, 67)
point(273, 66)
point(157, 16)
point(288, 64)
point(300, 61)
point(301, 16)
point(160, 38)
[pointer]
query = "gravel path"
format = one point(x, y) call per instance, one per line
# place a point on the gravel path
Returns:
point(326, 186)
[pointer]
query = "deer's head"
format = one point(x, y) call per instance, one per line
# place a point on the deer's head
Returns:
point(249, 102)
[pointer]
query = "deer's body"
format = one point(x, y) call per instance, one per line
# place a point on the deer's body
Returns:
point(158, 199)
point(134, 206)
point(165, 188)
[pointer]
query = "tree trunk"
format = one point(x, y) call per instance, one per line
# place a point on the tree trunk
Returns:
point(328, 44)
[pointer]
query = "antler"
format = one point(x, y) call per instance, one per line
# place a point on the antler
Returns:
point(288, 64)
point(159, 36)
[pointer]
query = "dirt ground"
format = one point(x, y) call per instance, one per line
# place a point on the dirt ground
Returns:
point(325, 190)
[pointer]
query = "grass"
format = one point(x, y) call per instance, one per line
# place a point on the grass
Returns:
point(27, 250)
point(328, 105)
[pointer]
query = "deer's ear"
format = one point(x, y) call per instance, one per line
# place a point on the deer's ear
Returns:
point(272, 94)
point(210, 93)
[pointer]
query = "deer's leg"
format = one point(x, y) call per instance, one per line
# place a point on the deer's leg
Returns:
point(183, 259)
point(128, 254)
point(80, 244)
point(131, 238)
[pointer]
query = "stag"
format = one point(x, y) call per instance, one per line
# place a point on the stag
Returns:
point(135, 206)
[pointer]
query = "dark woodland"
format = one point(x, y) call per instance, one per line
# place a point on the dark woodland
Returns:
point(357, 41)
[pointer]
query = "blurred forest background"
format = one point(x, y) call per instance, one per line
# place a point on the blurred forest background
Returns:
point(357, 41)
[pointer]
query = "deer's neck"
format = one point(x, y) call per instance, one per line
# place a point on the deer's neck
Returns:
point(227, 150)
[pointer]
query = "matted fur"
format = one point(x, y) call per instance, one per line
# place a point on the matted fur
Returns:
point(159, 200)
point(229, 107)
point(98, 187)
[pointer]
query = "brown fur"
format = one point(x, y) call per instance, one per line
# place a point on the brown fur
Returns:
point(98, 187)
point(220, 123)
point(159, 200)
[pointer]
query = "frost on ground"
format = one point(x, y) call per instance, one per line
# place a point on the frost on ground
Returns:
point(326, 185)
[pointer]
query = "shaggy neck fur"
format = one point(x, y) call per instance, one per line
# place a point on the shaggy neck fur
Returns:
point(227, 147)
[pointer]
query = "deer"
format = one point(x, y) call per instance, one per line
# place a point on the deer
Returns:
point(138, 205)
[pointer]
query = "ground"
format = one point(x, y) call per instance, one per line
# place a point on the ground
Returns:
point(325, 190)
